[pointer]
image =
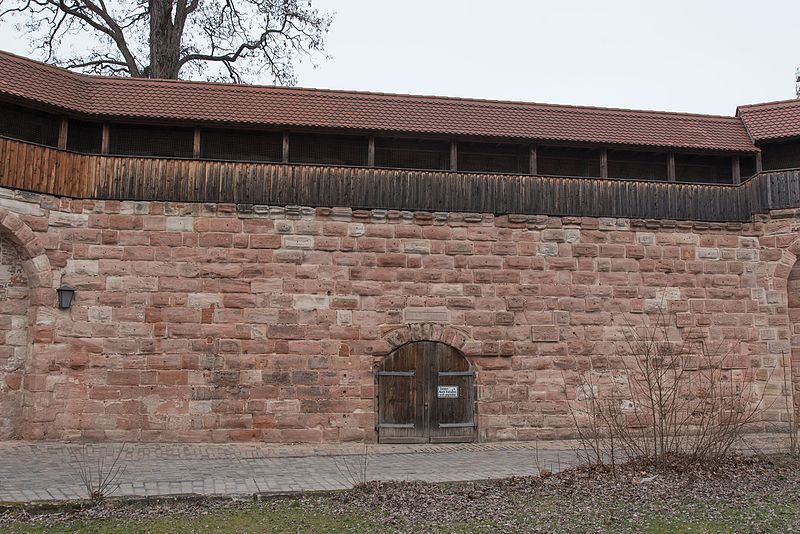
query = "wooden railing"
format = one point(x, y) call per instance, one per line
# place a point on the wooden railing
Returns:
point(58, 172)
point(774, 190)
point(47, 170)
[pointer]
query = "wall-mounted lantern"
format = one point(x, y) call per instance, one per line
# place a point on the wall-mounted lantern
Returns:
point(65, 294)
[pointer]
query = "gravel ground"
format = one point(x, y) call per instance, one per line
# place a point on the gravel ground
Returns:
point(742, 494)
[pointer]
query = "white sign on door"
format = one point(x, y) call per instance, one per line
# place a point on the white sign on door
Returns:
point(447, 392)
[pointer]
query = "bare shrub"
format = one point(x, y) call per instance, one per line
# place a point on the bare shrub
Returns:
point(98, 469)
point(790, 395)
point(671, 396)
point(354, 468)
point(597, 443)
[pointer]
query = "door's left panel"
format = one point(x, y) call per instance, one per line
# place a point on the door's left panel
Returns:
point(400, 398)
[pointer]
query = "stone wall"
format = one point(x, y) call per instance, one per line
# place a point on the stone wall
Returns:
point(14, 340)
point(224, 322)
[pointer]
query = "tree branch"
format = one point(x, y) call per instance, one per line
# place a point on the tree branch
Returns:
point(231, 56)
point(100, 65)
point(216, 39)
point(114, 31)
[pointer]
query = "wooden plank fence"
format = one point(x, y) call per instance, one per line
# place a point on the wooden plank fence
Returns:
point(58, 172)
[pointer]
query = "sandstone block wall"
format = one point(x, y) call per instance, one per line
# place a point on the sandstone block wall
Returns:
point(202, 322)
point(14, 341)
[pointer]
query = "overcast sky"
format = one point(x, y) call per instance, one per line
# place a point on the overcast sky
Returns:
point(703, 56)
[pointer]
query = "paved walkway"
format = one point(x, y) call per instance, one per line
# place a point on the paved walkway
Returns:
point(36, 471)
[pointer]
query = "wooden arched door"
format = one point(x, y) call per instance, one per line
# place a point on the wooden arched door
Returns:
point(426, 393)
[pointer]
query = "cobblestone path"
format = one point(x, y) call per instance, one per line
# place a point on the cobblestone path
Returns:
point(48, 471)
point(36, 471)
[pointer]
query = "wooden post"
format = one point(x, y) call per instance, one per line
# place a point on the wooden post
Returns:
point(671, 166)
point(285, 153)
point(736, 171)
point(63, 131)
point(533, 163)
point(759, 166)
point(453, 156)
point(196, 147)
point(603, 163)
point(104, 139)
point(371, 152)
point(769, 191)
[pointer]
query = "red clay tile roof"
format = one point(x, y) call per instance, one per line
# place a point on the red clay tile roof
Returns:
point(771, 120)
point(244, 104)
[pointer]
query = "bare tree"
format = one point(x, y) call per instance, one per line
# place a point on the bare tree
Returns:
point(235, 40)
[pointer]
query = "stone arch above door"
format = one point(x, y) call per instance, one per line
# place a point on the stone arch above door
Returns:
point(35, 261)
point(437, 332)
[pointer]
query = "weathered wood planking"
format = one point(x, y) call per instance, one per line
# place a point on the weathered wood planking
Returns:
point(47, 170)
point(36, 168)
point(779, 189)
point(282, 184)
